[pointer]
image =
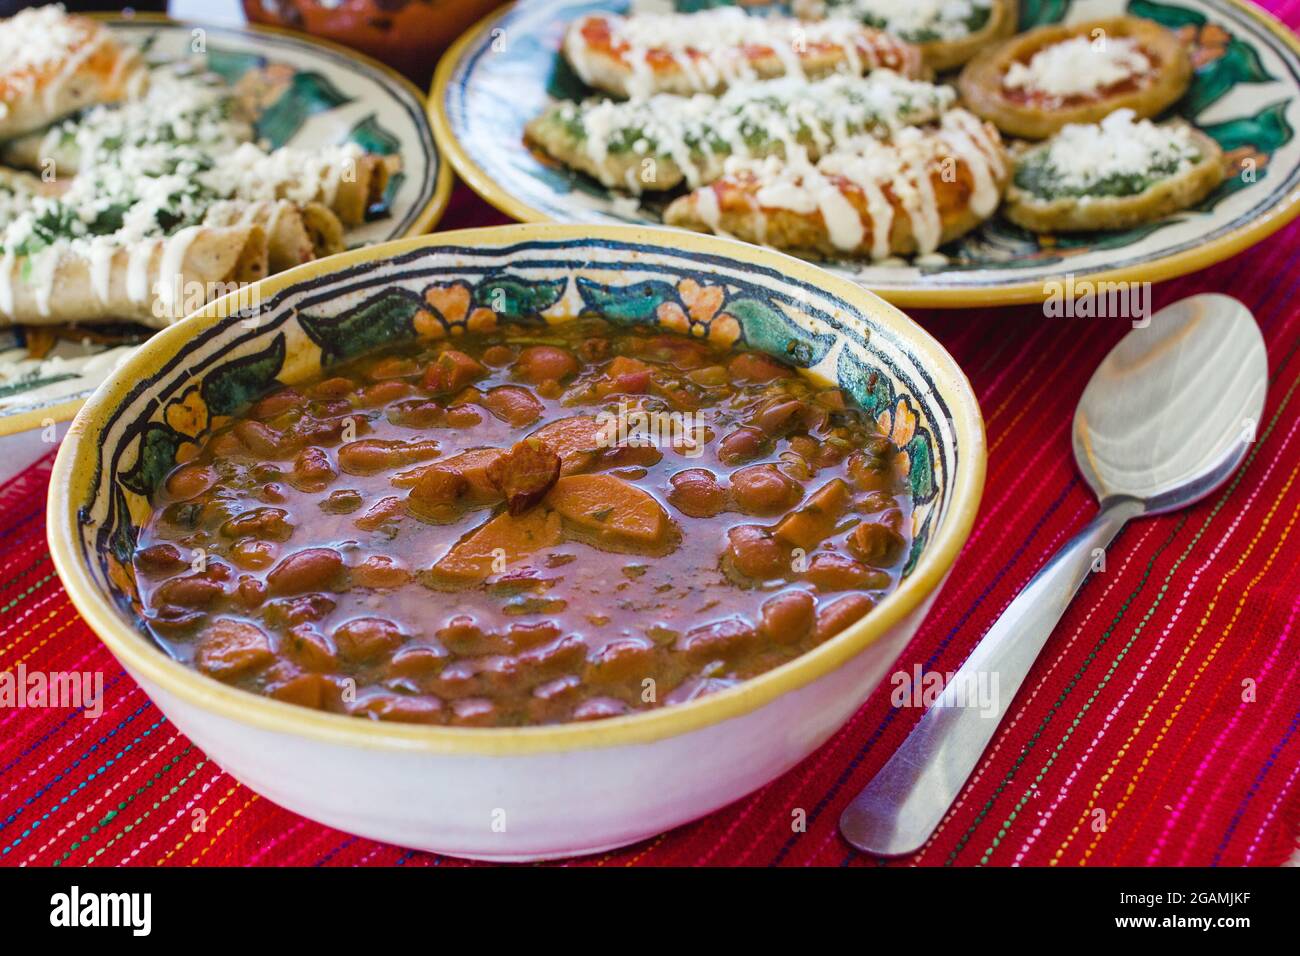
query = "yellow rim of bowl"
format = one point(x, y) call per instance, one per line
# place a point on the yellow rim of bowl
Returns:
point(423, 223)
point(917, 296)
point(75, 466)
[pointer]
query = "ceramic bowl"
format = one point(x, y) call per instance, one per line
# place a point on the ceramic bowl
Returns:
point(534, 792)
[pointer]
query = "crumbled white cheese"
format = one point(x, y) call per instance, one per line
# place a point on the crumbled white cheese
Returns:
point(299, 175)
point(753, 116)
point(915, 21)
point(40, 37)
point(1078, 66)
point(1084, 154)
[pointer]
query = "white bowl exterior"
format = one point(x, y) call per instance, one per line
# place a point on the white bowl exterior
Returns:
point(545, 805)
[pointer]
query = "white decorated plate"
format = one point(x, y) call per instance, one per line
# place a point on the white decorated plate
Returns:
point(312, 93)
point(1245, 94)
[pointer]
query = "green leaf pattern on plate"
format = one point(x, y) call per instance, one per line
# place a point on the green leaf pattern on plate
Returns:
point(308, 93)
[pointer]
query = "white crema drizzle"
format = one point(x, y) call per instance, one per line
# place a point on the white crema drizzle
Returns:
point(903, 166)
point(709, 47)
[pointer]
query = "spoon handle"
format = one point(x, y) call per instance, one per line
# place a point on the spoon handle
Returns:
point(898, 810)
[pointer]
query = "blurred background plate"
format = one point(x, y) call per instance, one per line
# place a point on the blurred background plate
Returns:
point(1245, 94)
point(310, 93)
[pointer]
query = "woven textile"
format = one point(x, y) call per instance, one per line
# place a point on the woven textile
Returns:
point(1165, 705)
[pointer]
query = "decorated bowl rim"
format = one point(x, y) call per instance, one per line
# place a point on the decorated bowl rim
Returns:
point(917, 295)
point(75, 466)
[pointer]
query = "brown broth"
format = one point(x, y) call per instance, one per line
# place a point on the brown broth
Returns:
point(626, 605)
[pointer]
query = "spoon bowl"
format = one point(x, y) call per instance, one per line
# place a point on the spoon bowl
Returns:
point(1173, 408)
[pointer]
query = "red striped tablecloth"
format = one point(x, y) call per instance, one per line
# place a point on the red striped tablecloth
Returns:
point(1165, 706)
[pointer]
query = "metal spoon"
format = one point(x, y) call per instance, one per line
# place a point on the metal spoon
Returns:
point(1166, 418)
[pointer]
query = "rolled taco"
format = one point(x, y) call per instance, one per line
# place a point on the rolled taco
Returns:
point(294, 234)
point(53, 64)
point(345, 178)
point(182, 107)
point(154, 281)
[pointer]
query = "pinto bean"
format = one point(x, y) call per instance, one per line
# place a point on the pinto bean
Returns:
point(312, 569)
point(380, 571)
point(277, 403)
point(416, 413)
point(383, 512)
point(837, 572)
point(754, 553)
point(342, 502)
point(627, 376)
point(601, 708)
point(382, 393)
point(741, 445)
point(839, 614)
point(624, 661)
point(371, 455)
point(263, 440)
point(366, 638)
point(332, 388)
point(521, 637)
point(268, 524)
point(437, 494)
point(697, 493)
point(192, 590)
point(788, 617)
point(302, 609)
point(310, 649)
point(249, 593)
point(230, 648)
point(174, 620)
point(305, 690)
point(418, 660)
point(472, 466)
point(190, 481)
point(541, 363)
point(473, 712)
point(401, 708)
point(871, 470)
point(312, 470)
point(780, 417)
point(498, 356)
point(160, 558)
point(252, 554)
point(463, 416)
point(391, 367)
point(764, 490)
point(462, 634)
point(717, 639)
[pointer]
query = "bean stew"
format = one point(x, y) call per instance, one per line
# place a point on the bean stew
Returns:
point(528, 525)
